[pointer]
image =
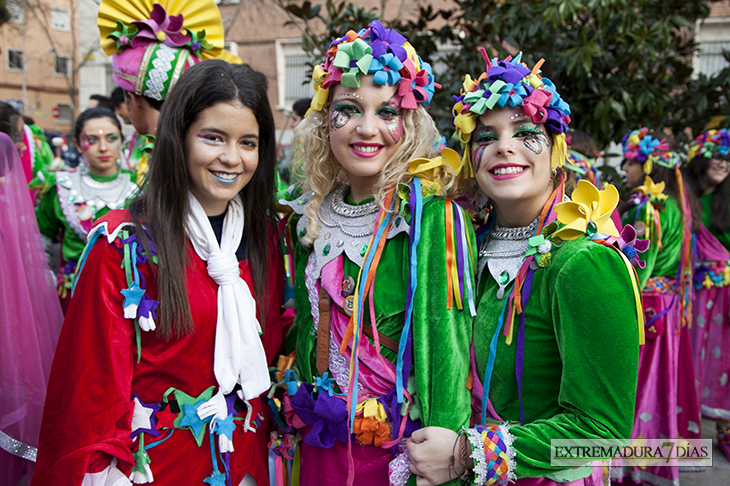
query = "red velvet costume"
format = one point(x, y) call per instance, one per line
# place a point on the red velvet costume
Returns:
point(88, 409)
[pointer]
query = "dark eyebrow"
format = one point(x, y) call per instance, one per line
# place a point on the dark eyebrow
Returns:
point(223, 132)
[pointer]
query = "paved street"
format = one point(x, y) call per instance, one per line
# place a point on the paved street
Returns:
point(719, 473)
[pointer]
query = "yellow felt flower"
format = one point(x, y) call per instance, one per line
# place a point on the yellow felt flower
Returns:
point(469, 84)
point(372, 408)
point(588, 212)
point(428, 169)
point(321, 95)
point(654, 191)
point(464, 124)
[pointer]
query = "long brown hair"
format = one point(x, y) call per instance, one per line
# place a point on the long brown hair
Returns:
point(163, 205)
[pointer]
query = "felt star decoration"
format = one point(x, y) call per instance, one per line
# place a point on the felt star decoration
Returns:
point(143, 418)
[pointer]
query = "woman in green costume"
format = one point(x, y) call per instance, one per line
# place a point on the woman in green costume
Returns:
point(376, 239)
point(707, 176)
point(68, 210)
point(553, 280)
point(662, 211)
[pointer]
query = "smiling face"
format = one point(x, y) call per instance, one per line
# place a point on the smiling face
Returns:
point(222, 151)
point(511, 157)
point(718, 169)
point(634, 173)
point(100, 143)
point(366, 130)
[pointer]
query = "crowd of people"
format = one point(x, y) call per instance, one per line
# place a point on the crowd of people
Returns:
point(453, 311)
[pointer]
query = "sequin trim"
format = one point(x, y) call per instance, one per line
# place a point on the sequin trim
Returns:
point(17, 448)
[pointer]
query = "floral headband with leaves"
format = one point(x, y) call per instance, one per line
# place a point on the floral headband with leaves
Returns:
point(639, 146)
point(383, 53)
point(511, 83)
point(709, 142)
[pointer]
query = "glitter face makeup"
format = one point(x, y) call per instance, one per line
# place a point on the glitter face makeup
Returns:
point(88, 140)
point(100, 143)
point(341, 114)
point(391, 114)
point(534, 137)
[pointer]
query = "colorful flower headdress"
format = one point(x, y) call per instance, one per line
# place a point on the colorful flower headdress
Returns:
point(511, 83)
point(639, 146)
point(152, 43)
point(709, 142)
point(382, 52)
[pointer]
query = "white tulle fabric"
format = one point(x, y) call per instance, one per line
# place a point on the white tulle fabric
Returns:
point(239, 353)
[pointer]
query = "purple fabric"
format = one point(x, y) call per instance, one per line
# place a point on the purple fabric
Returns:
point(507, 72)
point(30, 315)
point(520, 358)
point(327, 416)
point(382, 40)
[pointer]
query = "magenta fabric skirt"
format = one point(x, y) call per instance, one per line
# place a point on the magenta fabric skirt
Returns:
point(711, 345)
point(324, 467)
point(656, 396)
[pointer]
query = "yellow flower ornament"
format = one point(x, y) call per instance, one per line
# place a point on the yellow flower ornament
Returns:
point(588, 212)
point(428, 169)
point(320, 94)
point(653, 191)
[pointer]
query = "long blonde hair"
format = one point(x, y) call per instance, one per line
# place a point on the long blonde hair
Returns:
point(317, 166)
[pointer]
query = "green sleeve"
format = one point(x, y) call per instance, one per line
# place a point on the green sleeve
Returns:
point(594, 317)
point(299, 337)
point(441, 336)
point(47, 214)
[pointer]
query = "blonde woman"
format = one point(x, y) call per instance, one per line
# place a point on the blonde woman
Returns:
point(376, 239)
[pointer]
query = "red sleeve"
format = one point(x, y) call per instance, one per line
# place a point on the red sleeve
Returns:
point(88, 410)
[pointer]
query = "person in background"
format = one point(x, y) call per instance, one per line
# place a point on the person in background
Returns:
point(68, 209)
point(135, 45)
point(30, 316)
point(707, 176)
point(120, 107)
point(666, 213)
point(100, 101)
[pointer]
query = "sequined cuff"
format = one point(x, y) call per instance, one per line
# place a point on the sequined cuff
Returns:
point(493, 454)
point(399, 468)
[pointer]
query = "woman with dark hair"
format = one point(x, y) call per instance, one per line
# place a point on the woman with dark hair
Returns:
point(164, 314)
point(11, 124)
point(707, 176)
point(665, 213)
point(556, 334)
point(68, 209)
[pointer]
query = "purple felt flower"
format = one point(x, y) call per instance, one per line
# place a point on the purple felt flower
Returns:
point(507, 72)
point(327, 416)
point(631, 246)
point(383, 40)
point(160, 27)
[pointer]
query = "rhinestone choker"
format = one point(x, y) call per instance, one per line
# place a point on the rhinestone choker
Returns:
point(501, 233)
point(339, 206)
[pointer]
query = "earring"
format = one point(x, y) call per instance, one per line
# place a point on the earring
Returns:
point(555, 173)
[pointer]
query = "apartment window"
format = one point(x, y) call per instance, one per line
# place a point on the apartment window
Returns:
point(66, 114)
point(62, 66)
point(293, 80)
point(16, 11)
point(16, 60)
point(711, 59)
point(60, 19)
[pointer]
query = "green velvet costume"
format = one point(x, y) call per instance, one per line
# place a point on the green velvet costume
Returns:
point(580, 355)
point(440, 336)
point(724, 238)
point(662, 263)
point(52, 221)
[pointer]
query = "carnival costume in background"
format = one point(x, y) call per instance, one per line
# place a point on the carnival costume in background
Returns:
point(557, 326)
point(711, 330)
point(69, 209)
point(666, 404)
point(36, 160)
point(405, 270)
point(151, 44)
point(30, 321)
point(583, 167)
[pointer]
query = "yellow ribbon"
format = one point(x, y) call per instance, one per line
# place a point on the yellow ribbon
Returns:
point(652, 190)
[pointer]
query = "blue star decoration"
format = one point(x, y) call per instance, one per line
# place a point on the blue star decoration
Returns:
point(225, 427)
point(132, 297)
point(216, 479)
point(191, 419)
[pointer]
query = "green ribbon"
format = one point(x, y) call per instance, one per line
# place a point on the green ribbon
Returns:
point(358, 51)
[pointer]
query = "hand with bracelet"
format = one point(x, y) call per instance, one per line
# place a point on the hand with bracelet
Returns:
point(438, 455)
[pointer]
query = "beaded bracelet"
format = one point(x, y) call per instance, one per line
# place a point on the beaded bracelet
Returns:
point(492, 453)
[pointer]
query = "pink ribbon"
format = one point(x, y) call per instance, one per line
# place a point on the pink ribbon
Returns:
point(536, 104)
